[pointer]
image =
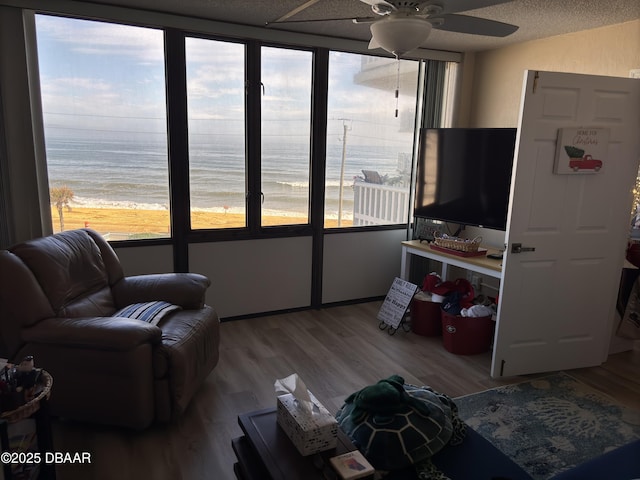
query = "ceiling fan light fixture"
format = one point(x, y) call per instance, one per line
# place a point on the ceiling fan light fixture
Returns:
point(382, 8)
point(399, 35)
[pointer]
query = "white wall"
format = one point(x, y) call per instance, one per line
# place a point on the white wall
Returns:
point(497, 74)
point(255, 276)
point(143, 260)
point(360, 265)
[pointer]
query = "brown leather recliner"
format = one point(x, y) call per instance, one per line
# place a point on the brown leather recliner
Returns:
point(57, 298)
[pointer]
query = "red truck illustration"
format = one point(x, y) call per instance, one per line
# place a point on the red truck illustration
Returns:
point(585, 163)
point(579, 161)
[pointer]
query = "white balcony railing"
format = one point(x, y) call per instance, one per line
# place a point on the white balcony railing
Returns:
point(375, 204)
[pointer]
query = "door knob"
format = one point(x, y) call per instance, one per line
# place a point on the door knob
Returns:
point(518, 248)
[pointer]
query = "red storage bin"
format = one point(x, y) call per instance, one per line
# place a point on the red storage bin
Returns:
point(466, 335)
point(426, 318)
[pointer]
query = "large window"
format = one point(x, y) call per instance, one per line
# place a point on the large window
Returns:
point(370, 138)
point(218, 173)
point(103, 104)
point(244, 154)
point(285, 135)
point(216, 117)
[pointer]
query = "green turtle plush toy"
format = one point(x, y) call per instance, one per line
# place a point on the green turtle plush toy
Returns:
point(396, 425)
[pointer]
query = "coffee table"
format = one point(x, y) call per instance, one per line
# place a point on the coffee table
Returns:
point(265, 452)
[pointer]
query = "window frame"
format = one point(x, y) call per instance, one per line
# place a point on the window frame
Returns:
point(253, 155)
point(420, 100)
point(313, 93)
point(30, 17)
point(175, 83)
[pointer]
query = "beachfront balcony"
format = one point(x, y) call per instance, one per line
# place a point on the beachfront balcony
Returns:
point(377, 204)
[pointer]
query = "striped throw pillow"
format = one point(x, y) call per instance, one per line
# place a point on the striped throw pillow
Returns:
point(151, 312)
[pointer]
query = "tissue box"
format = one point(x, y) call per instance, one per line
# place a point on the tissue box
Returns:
point(309, 433)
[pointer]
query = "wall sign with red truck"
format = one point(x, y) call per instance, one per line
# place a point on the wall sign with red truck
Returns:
point(581, 150)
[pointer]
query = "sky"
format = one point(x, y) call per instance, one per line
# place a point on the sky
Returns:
point(99, 79)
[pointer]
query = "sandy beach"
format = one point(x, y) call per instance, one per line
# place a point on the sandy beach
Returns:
point(127, 220)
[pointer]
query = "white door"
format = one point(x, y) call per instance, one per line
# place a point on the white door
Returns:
point(557, 302)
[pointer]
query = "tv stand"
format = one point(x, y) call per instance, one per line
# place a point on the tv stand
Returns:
point(483, 265)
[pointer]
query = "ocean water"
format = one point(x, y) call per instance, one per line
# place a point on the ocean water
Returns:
point(134, 174)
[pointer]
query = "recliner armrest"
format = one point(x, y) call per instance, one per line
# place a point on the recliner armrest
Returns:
point(100, 333)
point(184, 289)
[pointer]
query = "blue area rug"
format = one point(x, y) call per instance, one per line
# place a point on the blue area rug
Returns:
point(549, 424)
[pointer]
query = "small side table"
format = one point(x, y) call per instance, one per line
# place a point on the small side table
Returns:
point(37, 409)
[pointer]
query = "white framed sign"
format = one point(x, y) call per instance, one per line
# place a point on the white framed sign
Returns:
point(581, 150)
point(396, 302)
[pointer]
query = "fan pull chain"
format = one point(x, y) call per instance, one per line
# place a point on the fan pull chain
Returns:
point(397, 83)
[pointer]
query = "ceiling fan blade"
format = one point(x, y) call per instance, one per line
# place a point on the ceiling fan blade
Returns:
point(285, 18)
point(376, 2)
point(355, 20)
point(295, 11)
point(455, 6)
point(472, 25)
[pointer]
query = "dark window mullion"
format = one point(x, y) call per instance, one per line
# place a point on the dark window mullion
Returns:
point(178, 145)
point(318, 167)
point(253, 136)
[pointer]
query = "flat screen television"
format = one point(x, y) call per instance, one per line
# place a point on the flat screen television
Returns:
point(464, 175)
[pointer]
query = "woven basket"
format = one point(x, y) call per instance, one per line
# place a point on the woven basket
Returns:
point(455, 243)
point(43, 390)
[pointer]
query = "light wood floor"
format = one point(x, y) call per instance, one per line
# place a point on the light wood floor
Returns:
point(336, 351)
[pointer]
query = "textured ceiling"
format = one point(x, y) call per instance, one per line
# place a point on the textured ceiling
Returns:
point(536, 18)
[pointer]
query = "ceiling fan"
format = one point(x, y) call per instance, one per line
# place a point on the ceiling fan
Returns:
point(401, 26)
